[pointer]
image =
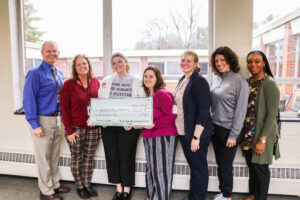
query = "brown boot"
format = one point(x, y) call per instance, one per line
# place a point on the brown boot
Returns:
point(248, 198)
point(50, 197)
point(62, 189)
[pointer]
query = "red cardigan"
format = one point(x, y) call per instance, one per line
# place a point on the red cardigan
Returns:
point(74, 102)
point(163, 118)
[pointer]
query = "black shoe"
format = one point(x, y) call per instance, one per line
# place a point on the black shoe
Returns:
point(118, 196)
point(91, 191)
point(83, 193)
point(126, 195)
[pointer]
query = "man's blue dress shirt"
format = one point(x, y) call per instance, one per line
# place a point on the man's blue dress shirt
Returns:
point(40, 93)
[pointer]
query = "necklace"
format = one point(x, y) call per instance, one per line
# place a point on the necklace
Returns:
point(258, 77)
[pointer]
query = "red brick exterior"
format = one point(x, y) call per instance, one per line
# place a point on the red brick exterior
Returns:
point(289, 56)
point(62, 63)
point(288, 64)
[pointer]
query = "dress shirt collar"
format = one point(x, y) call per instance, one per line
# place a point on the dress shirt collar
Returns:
point(44, 63)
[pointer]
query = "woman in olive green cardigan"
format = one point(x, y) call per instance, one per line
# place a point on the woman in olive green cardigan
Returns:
point(260, 132)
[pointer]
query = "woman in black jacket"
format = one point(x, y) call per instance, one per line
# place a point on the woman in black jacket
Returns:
point(193, 122)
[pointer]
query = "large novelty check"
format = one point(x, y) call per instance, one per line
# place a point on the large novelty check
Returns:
point(121, 112)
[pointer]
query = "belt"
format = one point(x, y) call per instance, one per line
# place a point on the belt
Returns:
point(52, 115)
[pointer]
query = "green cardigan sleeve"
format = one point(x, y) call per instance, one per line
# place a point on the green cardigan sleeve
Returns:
point(272, 96)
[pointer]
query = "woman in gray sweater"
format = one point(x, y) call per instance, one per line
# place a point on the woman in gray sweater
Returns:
point(229, 92)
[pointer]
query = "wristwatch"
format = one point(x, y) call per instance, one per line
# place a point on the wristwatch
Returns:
point(262, 141)
point(196, 138)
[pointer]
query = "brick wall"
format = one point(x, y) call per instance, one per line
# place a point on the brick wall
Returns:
point(63, 65)
point(288, 64)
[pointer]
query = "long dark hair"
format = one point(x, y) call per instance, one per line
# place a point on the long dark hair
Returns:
point(268, 71)
point(267, 68)
point(160, 83)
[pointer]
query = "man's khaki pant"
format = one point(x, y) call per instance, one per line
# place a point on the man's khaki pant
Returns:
point(46, 150)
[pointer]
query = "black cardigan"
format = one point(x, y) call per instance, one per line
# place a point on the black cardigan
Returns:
point(196, 106)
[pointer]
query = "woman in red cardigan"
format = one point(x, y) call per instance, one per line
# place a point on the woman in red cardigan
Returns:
point(82, 139)
point(160, 139)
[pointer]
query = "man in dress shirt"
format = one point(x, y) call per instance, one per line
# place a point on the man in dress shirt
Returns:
point(41, 104)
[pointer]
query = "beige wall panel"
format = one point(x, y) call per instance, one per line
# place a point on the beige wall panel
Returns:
point(233, 28)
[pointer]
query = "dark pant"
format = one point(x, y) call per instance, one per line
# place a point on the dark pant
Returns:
point(224, 158)
point(259, 177)
point(198, 165)
point(120, 150)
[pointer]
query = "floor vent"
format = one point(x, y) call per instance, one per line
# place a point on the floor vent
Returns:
point(179, 168)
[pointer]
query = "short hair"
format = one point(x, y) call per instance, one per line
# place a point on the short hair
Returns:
point(74, 75)
point(49, 42)
point(230, 57)
point(119, 54)
point(196, 58)
point(160, 83)
point(267, 68)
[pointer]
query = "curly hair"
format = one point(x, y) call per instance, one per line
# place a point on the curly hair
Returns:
point(74, 75)
point(119, 54)
point(160, 83)
point(230, 57)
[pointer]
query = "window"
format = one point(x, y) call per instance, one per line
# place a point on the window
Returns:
point(275, 56)
point(96, 67)
point(32, 62)
point(170, 68)
point(135, 67)
point(157, 32)
point(29, 64)
point(173, 68)
point(276, 32)
point(204, 68)
point(160, 65)
point(64, 30)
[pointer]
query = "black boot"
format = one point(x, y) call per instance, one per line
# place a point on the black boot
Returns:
point(83, 193)
point(118, 196)
point(91, 191)
point(126, 195)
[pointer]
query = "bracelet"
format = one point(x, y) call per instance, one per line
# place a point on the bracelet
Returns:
point(263, 141)
point(196, 138)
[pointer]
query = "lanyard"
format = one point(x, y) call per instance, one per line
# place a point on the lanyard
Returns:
point(179, 86)
point(86, 89)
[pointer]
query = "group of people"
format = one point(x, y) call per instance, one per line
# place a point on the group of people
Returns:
point(232, 111)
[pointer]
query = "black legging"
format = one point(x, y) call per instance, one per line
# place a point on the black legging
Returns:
point(120, 151)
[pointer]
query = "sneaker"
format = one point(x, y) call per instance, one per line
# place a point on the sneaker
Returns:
point(219, 197)
point(225, 198)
